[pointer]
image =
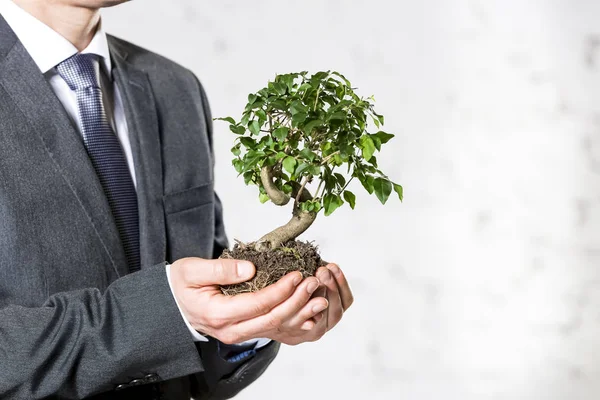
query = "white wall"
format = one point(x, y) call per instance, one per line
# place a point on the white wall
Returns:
point(484, 283)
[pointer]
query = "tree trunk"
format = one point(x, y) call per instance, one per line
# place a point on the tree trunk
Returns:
point(276, 195)
point(299, 223)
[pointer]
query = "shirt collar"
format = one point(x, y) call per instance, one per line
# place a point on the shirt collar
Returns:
point(47, 47)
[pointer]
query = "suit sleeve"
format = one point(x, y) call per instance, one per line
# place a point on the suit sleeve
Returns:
point(223, 378)
point(85, 342)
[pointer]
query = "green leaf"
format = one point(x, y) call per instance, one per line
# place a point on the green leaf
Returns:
point(382, 188)
point(263, 197)
point(289, 164)
point(254, 127)
point(308, 154)
point(270, 161)
point(279, 104)
point(266, 141)
point(384, 136)
point(340, 92)
point(332, 202)
point(245, 119)
point(299, 118)
point(280, 155)
point(376, 141)
point(373, 162)
point(337, 160)
point(236, 150)
point(248, 142)
point(280, 87)
point(339, 115)
point(289, 81)
point(319, 76)
point(237, 129)
point(346, 149)
point(304, 206)
point(252, 98)
point(346, 81)
point(248, 176)
point(350, 198)
point(301, 168)
point(297, 107)
point(304, 86)
point(318, 206)
point(367, 182)
point(262, 116)
point(281, 133)
point(367, 146)
point(250, 161)
point(340, 179)
point(228, 119)
point(311, 125)
point(398, 189)
point(329, 179)
point(238, 165)
point(314, 170)
point(255, 105)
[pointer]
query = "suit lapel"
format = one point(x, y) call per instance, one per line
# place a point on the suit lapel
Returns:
point(142, 122)
point(33, 96)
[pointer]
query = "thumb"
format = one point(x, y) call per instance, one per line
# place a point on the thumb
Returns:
point(219, 272)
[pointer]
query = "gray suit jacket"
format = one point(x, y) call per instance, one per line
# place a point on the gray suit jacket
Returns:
point(73, 322)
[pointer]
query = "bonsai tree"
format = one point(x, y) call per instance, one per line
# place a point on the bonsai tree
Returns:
point(303, 140)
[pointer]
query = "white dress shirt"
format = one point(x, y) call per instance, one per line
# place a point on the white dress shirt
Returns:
point(48, 48)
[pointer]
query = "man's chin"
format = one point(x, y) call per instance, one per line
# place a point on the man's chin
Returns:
point(99, 3)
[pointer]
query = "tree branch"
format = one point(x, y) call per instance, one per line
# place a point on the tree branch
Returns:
point(319, 188)
point(347, 183)
point(277, 196)
point(303, 194)
point(329, 157)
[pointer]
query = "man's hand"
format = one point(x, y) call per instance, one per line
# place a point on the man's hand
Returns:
point(279, 312)
point(336, 290)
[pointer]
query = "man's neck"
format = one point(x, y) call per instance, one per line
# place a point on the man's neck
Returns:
point(76, 24)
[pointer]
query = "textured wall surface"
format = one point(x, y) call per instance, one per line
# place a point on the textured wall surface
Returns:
point(485, 282)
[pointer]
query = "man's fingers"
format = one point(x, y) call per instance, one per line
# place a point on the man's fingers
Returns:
point(336, 310)
point(312, 309)
point(343, 286)
point(308, 325)
point(246, 306)
point(199, 272)
point(275, 319)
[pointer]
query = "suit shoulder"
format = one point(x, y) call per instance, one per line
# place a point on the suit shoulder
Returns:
point(149, 61)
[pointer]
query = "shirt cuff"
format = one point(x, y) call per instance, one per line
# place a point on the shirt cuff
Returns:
point(258, 343)
point(197, 336)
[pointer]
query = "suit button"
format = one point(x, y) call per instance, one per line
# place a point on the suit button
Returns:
point(137, 382)
point(151, 378)
point(122, 386)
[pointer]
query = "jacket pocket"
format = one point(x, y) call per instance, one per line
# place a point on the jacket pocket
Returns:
point(189, 198)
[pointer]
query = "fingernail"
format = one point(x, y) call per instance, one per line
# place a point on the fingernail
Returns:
point(325, 276)
point(334, 269)
point(312, 286)
point(318, 308)
point(297, 279)
point(245, 269)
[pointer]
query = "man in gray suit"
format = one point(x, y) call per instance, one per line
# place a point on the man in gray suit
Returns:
point(109, 226)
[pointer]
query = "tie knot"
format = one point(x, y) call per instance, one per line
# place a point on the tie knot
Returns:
point(79, 71)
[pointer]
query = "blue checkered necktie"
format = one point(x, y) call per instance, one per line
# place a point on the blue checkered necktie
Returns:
point(80, 72)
